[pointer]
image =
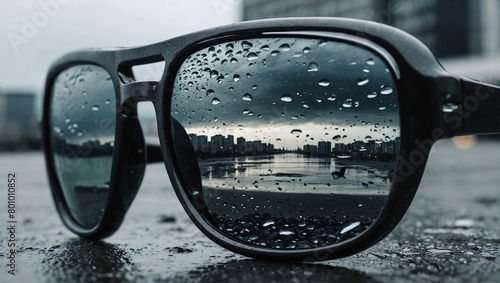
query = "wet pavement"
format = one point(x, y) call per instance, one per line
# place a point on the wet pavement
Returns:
point(450, 234)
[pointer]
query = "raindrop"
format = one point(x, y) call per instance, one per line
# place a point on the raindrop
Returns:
point(365, 185)
point(386, 89)
point(312, 67)
point(67, 121)
point(57, 129)
point(332, 97)
point(296, 132)
point(371, 94)
point(210, 92)
point(247, 97)
point(236, 78)
point(295, 117)
point(286, 98)
point(305, 105)
point(268, 223)
point(382, 108)
point(336, 138)
point(249, 75)
point(233, 60)
point(254, 87)
point(246, 111)
point(365, 70)
point(275, 53)
point(108, 101)
point(95, 108)
point(368, 139)
point(213, 74)
point(84, 93)
point(215, 101)
point(265, 47)
point(370, 62)
point(350, 227)
point(363, 80)
point(246, 45)
point(252, 56)
point(324, 82)
point(306, 50)
point(347, 103)
point(322, 43)
point(284, 47)
point(286, 232)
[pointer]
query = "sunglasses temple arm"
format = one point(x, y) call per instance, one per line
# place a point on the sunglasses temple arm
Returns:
point(480, 108)
point(153, 153)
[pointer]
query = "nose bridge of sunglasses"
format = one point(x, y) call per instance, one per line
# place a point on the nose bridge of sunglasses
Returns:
point(134, 92)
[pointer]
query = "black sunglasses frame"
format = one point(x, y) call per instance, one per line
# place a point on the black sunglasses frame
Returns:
point(433, 105)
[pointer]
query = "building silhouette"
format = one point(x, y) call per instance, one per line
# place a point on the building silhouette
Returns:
point(447, 27)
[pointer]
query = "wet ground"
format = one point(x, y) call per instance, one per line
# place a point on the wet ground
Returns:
point(450, 234)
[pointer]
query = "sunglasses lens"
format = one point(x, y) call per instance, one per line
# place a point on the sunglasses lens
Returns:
point(296, 138)
point(82, 117)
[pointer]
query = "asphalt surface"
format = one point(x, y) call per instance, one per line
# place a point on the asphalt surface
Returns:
point(450, 234)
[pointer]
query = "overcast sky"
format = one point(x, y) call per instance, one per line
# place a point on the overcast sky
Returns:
point(34, 33)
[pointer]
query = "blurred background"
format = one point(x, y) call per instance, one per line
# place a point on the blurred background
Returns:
point(463, 34)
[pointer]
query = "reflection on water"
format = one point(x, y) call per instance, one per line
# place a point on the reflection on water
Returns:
point(296, 138)
point(292, 200)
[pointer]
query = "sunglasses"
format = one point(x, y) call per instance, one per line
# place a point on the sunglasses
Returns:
point(284, 139)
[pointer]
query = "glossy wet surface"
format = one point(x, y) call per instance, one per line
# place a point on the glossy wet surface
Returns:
point(450, 234)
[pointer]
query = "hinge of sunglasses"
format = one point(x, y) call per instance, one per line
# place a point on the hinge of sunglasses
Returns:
point(139, 91)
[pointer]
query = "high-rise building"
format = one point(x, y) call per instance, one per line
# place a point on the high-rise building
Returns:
point(447, 27)
point(17, 116)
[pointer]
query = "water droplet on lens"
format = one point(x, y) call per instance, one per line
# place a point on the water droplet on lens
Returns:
point(284, 47)
point(324, 82)
point(215, 101)
point(108, 101)
point(236, 78)
point(95, 108)
point(363, 80)
point(336, 138)
point(296, 132)
point(246, 111)
point(252, 56)
point(57, 129)
point(368, 138)
point(286, 232)
point(312, 67)
point(332, 97)
point(371, 94)
point(370, 62)
point(213, 74)
point(265, 47)
point(382, 108)
point(386, 89)
point(322, 43)
point(347, 103)
point(84, 93)
point(233, 60)
point(350, 227)
point(246, 44)
point(306, 50)
point(286, 98)
point(210, 92)
point(365, 185)
point(247, 97)
point(275, 53)
point(67, 121)
point(268, 222)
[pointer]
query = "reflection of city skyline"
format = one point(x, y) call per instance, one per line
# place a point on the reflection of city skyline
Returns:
point(219, 144)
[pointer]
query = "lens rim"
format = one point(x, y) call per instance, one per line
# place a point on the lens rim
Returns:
point(420, 88)
point(337, 37)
